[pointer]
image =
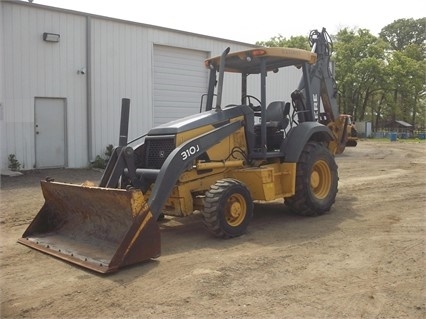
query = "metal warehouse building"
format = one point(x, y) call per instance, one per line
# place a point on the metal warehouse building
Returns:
point(63, 74)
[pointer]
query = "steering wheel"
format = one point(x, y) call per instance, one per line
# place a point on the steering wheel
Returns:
point(250, 104)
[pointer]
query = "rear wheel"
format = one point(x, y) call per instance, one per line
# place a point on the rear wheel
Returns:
point(228, 208)
point(316, 181)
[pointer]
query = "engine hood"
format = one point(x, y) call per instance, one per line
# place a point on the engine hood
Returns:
point(191, 122)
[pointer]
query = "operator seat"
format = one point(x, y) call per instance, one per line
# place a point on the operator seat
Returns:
point(277, 120)
point(277, 114)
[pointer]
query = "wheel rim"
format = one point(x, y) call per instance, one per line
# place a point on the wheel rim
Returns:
point(236, 209)
point(320, 179)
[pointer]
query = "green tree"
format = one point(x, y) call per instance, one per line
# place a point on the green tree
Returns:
point(360, 72)
point(407, 83)
point(407, 39)
point(404, 32)
point(299, 42)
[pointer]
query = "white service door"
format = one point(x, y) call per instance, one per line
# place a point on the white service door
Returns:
point(50, 142)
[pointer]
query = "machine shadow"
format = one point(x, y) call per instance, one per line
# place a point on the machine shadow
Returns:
point(273, 225)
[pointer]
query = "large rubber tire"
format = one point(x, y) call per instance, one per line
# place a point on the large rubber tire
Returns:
point(228, 208)
point(316, 181)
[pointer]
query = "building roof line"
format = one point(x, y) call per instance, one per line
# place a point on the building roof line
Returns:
point(86, 14)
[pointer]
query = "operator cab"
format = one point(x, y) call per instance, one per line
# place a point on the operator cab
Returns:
point(271, 121)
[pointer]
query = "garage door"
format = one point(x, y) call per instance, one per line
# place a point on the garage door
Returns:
point(180, 79)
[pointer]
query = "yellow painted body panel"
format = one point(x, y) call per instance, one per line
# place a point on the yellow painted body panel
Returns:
point(224, 147)
point(265, 183)
point(260, 181)
point(268, 182)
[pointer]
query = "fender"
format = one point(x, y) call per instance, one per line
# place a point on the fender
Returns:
point(299, 135)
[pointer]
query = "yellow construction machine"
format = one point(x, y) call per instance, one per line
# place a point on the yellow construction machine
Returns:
point(217, 162)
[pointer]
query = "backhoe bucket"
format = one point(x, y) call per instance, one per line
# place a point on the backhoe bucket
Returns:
point(102, 229)
point(351, 143)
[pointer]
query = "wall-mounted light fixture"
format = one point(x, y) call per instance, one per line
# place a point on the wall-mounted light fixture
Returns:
point(51, 37)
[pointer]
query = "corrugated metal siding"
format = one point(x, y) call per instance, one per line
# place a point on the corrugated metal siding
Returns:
point(120, 68)
point(34, 68)
point(3, 152)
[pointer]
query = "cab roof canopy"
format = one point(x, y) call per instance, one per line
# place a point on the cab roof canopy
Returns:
point(249, 61)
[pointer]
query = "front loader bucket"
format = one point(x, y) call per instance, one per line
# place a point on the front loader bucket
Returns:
point(102, 229)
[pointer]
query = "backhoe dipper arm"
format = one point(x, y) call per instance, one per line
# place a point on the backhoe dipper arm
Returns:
point(180, 159)
point(321, 80)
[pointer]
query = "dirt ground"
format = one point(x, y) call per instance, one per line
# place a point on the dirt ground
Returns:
point(363, 259)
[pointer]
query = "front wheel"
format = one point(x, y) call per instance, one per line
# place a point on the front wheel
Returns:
point(228, 208)
point(316, 181)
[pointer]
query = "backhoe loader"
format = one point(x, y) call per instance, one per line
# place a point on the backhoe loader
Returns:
point(217, 162)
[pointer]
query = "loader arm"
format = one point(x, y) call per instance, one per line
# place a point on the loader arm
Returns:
point(180, 159)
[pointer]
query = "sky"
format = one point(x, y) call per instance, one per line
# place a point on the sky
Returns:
point(250, 21)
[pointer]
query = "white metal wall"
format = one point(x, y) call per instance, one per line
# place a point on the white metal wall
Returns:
point(3, 151)
point(35, 68)
point(120, 68)
point(118, 59)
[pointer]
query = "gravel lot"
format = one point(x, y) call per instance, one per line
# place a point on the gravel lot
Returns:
point(364, 259)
